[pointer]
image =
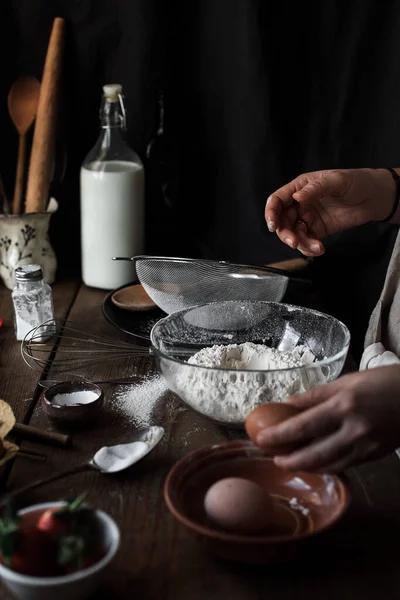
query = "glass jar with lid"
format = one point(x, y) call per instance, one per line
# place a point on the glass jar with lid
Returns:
point(32, 300)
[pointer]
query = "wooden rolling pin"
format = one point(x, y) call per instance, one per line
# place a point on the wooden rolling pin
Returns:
point(40, 435)
point(42, 154)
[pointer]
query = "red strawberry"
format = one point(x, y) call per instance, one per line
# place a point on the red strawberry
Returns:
point(61, 521)
point(54, 521)
point(24, 549)
point(61, 540)
point(35, 554)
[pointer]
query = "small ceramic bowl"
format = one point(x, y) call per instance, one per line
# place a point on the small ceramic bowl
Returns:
point(305, 504)
point(78, 585)
point(89, 400)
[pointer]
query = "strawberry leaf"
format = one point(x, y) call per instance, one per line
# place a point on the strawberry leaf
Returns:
point(9, 532)
point(70, 551)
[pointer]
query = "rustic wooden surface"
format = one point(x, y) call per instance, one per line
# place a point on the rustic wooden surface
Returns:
point(158, 559)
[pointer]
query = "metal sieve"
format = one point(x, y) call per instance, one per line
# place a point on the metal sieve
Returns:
point(179, 283)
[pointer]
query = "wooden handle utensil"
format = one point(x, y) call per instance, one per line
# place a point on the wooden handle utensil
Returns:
point(40, 435)
point(23, 99)
point(41, 162)
point(292, 264)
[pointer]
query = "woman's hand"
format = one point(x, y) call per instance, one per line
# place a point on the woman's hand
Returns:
point(318, 204)
point(351, 420)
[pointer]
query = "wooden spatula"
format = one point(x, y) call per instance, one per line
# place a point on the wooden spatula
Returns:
point(23, 101)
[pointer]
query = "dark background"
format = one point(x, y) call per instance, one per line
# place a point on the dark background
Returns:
point(256, 92)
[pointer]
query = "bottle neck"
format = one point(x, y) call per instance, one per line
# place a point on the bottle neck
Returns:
point(112, 119)
point(111, 144)
point(112, 114)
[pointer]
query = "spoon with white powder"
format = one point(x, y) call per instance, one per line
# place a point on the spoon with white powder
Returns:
point(109, 459)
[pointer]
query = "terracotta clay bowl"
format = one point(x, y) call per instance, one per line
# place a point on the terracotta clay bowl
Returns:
point(306, 504)
point(72, 415)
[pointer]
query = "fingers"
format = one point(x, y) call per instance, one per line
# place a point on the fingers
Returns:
point(326, 391)
point(274, 211)
point(287, 231)
point(282, 208)
point(334, 452)
point(308, 245)
point(313, 423)
point(299, 190)
point(319, 394)
point(299, 237)
point(329, 184)
point(277, 203)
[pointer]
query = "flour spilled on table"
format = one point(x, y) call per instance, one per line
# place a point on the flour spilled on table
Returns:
point(148, 403)
point(264, 375)
point(137, 403)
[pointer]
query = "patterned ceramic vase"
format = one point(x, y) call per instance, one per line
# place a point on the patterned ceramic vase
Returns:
point(24, 240)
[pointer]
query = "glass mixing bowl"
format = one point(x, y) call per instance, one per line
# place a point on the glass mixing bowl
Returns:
point(228, 395)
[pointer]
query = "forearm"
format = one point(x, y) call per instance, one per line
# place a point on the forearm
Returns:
point(383, 195)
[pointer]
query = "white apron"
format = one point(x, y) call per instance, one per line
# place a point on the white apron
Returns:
point(382, 341)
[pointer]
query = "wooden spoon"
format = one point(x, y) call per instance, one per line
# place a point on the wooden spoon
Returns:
point(23, 101)
point(133, 297)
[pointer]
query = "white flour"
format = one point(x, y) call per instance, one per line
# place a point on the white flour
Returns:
point(249, 356)
point(295, 504)
point(228, 397)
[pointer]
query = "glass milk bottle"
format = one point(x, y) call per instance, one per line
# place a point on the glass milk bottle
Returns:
point(112, 200)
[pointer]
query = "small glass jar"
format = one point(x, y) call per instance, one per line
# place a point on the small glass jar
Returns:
point(32, 300)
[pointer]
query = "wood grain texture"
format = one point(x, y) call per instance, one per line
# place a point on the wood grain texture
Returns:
point(19, 178)
point(23, 100)
point(17, 381)
point(42, 154)
point(158, 559)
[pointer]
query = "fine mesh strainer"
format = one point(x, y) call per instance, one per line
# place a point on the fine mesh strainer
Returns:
point(179, 283)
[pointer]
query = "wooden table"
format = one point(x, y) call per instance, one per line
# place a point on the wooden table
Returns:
point(158, 560)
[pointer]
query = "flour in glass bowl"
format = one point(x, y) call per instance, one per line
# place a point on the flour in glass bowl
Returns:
point(230, 397)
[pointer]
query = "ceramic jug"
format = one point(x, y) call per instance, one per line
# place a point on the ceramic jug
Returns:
point(24, 240)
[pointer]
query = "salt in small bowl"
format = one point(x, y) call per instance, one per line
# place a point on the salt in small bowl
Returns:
point(72, 402)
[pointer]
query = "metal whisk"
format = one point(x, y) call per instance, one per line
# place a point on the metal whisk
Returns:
point(67, 347)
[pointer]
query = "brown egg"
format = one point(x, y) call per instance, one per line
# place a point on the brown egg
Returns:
point(239, 505)
point(265, 416)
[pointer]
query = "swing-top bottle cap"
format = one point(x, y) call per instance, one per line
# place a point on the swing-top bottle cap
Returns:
point(112, 91)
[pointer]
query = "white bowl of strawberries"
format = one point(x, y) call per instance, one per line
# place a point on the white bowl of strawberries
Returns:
point(56, 550)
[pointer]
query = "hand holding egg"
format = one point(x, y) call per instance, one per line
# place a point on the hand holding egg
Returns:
point(265, 416)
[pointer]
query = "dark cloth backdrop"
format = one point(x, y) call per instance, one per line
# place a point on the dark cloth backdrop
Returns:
point(256, 92)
